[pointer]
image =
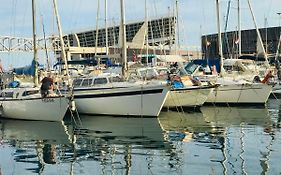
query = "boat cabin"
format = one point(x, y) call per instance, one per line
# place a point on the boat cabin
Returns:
point(102, 79)
point(19, 93)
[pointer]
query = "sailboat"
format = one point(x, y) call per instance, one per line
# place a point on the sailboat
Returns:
point(236, 92)
point(26, 103)
point(108, 94)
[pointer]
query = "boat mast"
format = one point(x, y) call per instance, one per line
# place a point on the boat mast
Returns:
point(219, 35)
point(239, 29)
point(35, 55)
point(258, 33)
point(146, 33)
point(123, 39)
point(97, 30)
point(278, 47)
point(106, 29)
point(279, 42)
point(177, 28)
point(63, 55)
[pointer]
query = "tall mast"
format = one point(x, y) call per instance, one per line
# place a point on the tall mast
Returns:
point(279, 42)
point(178, 27)
point(146, 33)
point(219, 35)
point(63, 55)
point(106, 30)
point(258, 33)
point(35, 55)
point(97, 29)
point(239, 29)
point(123, 39)
point(278, 47)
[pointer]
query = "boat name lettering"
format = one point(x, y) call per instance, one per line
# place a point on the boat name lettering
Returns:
point(48, 100)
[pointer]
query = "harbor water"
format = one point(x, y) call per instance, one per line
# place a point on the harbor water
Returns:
point(217, 140)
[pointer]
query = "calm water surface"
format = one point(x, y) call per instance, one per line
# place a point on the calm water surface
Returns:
point(217, 140)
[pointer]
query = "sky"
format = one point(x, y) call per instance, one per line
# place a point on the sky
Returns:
point(196, 17)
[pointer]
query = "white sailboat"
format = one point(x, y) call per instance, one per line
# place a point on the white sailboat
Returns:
point(236, 92)
point(187, 96)
point(106, 94)
point(27, 103)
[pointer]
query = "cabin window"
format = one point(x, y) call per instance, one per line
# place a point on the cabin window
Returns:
point(232, 68)
point(116, 79)
point(26, 93)
point(87, 82)
point(77, 82)
point(7, 94)
point(100, 81)
point(190, 68)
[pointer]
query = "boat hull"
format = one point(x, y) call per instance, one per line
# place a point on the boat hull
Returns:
point(44, 109)
point(194, 96)
point(126, 101)
point(238, 94)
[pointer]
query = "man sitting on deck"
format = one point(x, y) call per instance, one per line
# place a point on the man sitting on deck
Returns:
point(47, 87)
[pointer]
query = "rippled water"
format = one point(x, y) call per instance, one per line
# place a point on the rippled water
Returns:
point(217, 140)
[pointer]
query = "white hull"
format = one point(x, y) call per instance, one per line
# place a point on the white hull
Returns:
point(193, 96)
point(251, 94)
point(45, 109)
point(142, 100)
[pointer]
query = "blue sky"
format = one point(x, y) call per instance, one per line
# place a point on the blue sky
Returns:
point(196, 17)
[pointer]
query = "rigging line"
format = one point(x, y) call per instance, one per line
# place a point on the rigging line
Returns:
point(203, 14)
point(76, 8)
point(158, 23)
point(226, 26)
point(269, 8)
point(45, 44)
point(13, 18)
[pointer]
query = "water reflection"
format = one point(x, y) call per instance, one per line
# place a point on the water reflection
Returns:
point(217, 140)
point(227, 116)
point(32, 144)
point(194, 140)
point(118, 143)
point(247, 137)
point(226, 140)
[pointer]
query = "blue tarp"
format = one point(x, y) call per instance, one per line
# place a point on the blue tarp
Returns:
point(27, 70)
point(14, 84)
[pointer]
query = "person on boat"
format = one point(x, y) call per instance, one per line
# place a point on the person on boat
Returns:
point(267, 77)
point(214, 70)
point(47, 87)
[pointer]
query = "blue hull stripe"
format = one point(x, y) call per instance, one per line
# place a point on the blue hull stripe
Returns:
point(118, 94)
